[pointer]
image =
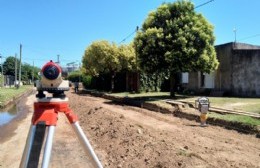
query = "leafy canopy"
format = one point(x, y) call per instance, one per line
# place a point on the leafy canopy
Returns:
point(101, 57)
point(174, 38)
point(9, 66)
point(105, 57)
point(28, 71)
point(127, 57)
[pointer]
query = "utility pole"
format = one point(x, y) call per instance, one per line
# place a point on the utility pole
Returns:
point(15, 71)
point(58, 59)
point(33, 73)
point(235, 33)
point(80, 72)
point(2, 73)
point(20, 69)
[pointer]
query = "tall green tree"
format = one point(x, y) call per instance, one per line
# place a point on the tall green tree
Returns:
point(102, 57)
point(128, 62)
point(29, 72)
point(127, 57)
point(175, 38)
point(9, 66)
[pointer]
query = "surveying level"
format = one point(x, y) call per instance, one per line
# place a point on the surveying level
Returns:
point(45, 118)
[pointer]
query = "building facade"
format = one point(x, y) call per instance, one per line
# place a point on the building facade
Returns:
point(238, 73)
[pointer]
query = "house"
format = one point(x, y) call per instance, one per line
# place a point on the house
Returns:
point(238, 73)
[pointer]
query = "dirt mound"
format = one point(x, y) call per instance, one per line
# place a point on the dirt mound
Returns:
point(128, 144)
point(129, 137)
point(125, 136)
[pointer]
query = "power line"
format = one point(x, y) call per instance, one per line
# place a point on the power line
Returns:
point(205, 3)
point(248, 37)
point(137, 27)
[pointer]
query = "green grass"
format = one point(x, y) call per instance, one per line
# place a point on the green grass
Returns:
point(7, 94)
point(240, 104)
point(148, 94)
point(238, 118)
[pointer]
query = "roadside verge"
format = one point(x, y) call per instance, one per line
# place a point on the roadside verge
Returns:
point(16, 98)
point(179, 111)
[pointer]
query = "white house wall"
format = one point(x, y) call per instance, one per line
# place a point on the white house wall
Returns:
point(209, 80)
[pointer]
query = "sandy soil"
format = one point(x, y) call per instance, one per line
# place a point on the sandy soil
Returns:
point(124, 136)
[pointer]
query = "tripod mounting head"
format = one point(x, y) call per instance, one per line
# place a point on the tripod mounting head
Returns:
point(51, 81)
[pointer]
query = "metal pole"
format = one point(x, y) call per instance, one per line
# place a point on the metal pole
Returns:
point(20, 69)
point(33, 73)
point(28, 146)
point(235, 33)
point(85, 143)
point(48, 147)
point(80, 72)
point(15, 74)
point(58, 59)
point(2, 73)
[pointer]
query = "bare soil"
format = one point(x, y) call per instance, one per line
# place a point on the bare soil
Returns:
point(124, 136)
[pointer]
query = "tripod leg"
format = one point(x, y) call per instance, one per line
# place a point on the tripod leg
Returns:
point(48, 147)
point(33, 146)
point(27, 148)
point(85, 143)
point(37, 145)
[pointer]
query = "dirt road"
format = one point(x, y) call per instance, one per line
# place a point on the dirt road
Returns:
point(124, 136)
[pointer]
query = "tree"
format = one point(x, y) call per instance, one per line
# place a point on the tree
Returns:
point(175, 38)
point(75, 76)
point(9, 66)
point(102, 57)
point(29, 72)
point(127, 57)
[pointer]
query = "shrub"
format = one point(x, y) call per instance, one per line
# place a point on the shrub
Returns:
point(86, 81)
point(75, 76)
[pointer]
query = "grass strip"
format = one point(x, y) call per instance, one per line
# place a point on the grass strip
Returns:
point(7, 94)
point(236, 118)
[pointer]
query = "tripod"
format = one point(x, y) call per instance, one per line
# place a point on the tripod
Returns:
point(45, 115)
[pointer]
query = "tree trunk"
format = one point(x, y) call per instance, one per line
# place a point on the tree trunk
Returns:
point(127, 81)
point(172, 84)
point(113, 74)
point(156, 82)
point(137, 82)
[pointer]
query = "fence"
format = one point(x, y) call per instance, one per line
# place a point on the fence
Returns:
point(7, 80)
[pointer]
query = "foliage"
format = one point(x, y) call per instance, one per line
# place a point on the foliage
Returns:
point(151, 82)
point(86, 80)
point(127, 57)
point(28, 72)
point(101, 57)
point(75, 76)
point(174, 38)
point(9, 66)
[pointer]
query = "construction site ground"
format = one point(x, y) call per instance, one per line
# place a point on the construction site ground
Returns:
point(125, 136)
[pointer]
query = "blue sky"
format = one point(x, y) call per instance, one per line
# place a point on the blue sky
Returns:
point(47, 28)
